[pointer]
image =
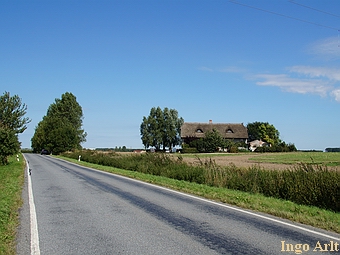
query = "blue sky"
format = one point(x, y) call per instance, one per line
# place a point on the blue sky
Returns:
point(275, 61)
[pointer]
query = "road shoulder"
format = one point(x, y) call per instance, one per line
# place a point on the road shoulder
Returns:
point(23, 230)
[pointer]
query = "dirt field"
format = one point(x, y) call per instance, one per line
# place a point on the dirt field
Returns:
point(240, 161)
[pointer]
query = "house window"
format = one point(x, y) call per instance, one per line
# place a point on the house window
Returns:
point(199, 131)
point(229, 131)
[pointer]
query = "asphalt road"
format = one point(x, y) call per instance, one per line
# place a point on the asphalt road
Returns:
point(84, 211)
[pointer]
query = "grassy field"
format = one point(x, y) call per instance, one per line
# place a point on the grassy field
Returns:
point(11, 183)
point(322, 158)
point(309, 215)
point(331, 159)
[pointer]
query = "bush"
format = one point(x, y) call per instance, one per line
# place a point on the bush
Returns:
point(282, 147)
point(189, 150)
point(233, 149)
point(161, 164)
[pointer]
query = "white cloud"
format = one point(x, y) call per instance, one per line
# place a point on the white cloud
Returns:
point(295, 85)
point(329, 73)
point(328, 48)
point(322, 81)
point(336, 94)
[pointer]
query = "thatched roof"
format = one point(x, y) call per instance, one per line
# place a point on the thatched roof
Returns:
point(227, 130)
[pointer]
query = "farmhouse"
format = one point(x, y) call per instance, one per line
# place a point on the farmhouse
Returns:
point(236, 132)
point(253, 145)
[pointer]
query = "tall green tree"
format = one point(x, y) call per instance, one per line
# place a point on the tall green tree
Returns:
point(12, 123)
point(263, 131)
point(12, 112)
point(61, 128)
point(213, 140)
point(161, 129)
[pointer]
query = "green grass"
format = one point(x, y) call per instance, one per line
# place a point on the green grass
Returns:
point(11, 183)
point(309, 215)
point(322, 158)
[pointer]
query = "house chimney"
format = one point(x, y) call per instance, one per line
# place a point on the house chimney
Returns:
point(210, 121)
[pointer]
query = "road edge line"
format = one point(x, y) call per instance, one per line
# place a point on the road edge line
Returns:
point(35, 249)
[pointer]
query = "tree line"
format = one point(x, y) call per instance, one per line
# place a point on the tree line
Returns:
point(332, 149)
point(61, 129)
point(161, 130)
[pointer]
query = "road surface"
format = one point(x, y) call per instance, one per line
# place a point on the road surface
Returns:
point(78, 210)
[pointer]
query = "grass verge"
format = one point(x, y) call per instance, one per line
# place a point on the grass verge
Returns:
point(308, 215)
point(11, 183)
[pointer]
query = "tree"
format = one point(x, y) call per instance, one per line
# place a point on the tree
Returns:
point(212, 141)
point(61, 128)
point(12, 112)
point(12, 123)
point(199, 144)
point(161, 129)
point(263, 131)
point(9, 145)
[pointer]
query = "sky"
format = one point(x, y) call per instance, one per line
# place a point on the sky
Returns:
point(241, 61)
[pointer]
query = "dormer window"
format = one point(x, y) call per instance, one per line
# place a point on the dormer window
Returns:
point(199, 130)
point(229, 131)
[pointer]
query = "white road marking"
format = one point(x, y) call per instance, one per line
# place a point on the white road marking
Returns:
point(35, 249)
point(256, 215)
